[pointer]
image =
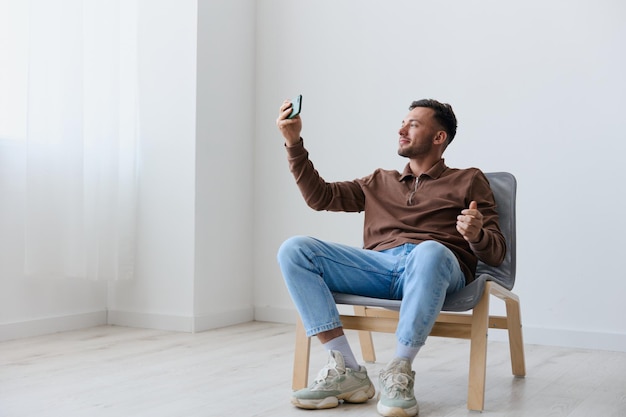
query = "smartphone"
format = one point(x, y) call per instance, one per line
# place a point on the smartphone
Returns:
point(296, 106)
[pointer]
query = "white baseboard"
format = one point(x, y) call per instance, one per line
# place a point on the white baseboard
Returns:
point(276, 315)
point(573, 339)
point(187, 324)
point(42, 326)
point(223, 319)
point(37, 327)
point(150, 320)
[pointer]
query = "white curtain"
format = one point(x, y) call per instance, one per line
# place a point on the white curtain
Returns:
point(68, 138)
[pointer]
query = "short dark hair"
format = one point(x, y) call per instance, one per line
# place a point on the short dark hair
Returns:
point(443, 114)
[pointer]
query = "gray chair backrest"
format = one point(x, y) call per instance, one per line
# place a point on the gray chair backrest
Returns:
point(504, 187)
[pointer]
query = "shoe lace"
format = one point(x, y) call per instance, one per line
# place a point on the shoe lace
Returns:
point(330, 369)
point(397, 384)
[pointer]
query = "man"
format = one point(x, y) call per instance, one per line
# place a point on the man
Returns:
point(424, 230)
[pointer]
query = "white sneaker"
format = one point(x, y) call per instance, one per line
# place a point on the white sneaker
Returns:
point(396, 397)
point(333, 383)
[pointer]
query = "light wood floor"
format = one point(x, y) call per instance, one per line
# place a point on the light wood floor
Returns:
point(245, 370)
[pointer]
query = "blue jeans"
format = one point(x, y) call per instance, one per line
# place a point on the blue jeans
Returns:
point(420, 275)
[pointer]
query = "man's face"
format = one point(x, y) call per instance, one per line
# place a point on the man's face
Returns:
point(418, 132)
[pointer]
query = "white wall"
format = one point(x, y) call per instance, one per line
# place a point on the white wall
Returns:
point(161, 294)
point(197, 79)
point(194, 250)
point(223, 290)
point(36, 305)
point(538, 88)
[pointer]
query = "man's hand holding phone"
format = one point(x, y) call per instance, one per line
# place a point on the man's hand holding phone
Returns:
point(289, 122)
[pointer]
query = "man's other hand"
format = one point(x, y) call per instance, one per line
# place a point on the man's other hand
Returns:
point(470, 223)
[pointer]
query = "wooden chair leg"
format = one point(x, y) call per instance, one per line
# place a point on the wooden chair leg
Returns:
point(516, 342)
point(514, 326)
point(478, 353)
point(301, 358)
point(365, 338)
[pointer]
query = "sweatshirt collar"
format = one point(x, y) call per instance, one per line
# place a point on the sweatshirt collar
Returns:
point(434, 172)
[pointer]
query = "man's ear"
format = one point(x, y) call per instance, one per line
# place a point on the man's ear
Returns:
point(441, 137)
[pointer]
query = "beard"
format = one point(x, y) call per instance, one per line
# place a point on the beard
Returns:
point(416, 150)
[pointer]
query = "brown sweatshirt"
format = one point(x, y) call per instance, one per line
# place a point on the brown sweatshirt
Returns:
point(400, 208)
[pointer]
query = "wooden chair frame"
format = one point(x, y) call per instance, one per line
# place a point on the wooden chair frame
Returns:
point(455, 325)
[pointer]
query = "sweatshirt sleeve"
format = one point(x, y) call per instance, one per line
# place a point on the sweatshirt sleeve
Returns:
point(319, 194)
point(491, 248)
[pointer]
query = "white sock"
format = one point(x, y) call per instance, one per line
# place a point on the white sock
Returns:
point(341, 344)
point(407, 352)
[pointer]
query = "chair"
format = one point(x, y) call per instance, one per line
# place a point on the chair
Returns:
point(381, 315)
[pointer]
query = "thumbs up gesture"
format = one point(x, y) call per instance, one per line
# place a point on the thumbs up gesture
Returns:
point(470, 223)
